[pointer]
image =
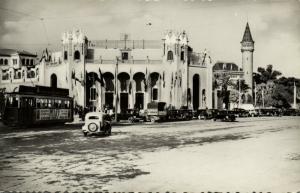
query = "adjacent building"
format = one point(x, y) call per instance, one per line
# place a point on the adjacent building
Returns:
point(18, 67)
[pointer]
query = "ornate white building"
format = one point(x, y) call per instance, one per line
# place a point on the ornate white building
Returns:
point(130, 73)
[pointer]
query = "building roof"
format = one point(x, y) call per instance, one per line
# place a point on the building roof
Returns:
point(9, 52)
point(247, 35)
point(225, 66)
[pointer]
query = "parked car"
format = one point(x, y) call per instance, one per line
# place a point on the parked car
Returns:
point(131, 115)
point(224, 115)
point(291, 112)
point(270, 112)
point(253, 113)
point(97, 123)
point(240, 112)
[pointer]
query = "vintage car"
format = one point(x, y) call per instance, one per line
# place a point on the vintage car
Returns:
point(224, 115)
point(240, 112)
point(97, 123)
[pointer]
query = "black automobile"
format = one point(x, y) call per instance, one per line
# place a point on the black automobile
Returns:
point(131, 115)
point(224, 115)
point(240, 112)
point(206, 114)
point(270, 112)
point(291, 112)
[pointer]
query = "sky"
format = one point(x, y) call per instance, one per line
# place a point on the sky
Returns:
point(214, 25)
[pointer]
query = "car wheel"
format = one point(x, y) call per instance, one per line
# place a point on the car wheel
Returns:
point(130, 119)
point(152, 119)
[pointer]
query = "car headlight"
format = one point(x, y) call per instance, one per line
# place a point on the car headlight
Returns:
point(92, 127)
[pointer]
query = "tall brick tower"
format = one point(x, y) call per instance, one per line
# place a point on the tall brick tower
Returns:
point(247, 48)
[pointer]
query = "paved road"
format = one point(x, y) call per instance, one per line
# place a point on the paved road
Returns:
point(252, 154)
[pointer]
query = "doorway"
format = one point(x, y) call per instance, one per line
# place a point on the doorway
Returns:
point(139, 100)
point(123, 102)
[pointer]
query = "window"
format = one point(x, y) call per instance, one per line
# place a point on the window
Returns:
point(182, 55)
point(53, 80)
point(5, 75)
point(1, 61)
point(17, 75)
point(92, 93)
point(65, 55)
point(5, 62)
point(170, 55)
point(23, 61)
point(30, 74)
point(12, 101)
point(76, 55)
point(124, 55)
point(155, 94)
point(38, 103)
point(27, 61)
point(15, 61)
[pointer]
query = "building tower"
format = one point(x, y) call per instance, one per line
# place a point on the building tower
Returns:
point(247, 48)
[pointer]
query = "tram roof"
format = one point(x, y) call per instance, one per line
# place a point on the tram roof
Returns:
point(42, 91)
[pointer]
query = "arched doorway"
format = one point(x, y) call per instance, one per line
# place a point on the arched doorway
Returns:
point(139, 94)
point(91, 90)
point(196, 87)
point(109, 89)
point(123, 78)
point(154, 76)
point(53, 81)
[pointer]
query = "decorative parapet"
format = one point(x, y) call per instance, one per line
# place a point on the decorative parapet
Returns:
point(125, 44)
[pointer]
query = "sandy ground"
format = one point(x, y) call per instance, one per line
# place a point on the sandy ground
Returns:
point(252, 154)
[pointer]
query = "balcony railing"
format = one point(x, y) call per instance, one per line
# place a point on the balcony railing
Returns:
point(125, 44)
point(99, 61)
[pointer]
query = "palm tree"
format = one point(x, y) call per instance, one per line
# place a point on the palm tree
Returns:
point(223, 81)
point(264, 75)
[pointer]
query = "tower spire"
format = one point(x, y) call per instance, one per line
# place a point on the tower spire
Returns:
point(247, 35)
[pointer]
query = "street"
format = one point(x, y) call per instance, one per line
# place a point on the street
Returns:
point(251, 154)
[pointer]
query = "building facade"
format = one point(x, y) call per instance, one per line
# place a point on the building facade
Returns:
point(18, 68)
point(126, 74)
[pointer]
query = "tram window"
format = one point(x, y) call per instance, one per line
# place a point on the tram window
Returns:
point(67, 104)
point(59, 104)
point(50, 103)
point(55, 104)
point(12, 102)
point(43, 103)
point(38, 103)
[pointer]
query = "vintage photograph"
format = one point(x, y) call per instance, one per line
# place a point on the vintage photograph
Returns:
point(150, 95)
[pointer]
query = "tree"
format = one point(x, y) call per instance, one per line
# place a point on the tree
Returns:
point(223, 81)
point(239, 88)
point(265, 74)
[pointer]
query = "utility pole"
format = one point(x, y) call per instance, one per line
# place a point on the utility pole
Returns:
point(263, 97)
point(255, 94)
point(295, 93)
point(116, 89)
point(239, 92)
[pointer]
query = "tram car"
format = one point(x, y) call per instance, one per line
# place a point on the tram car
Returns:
point(37, 105)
